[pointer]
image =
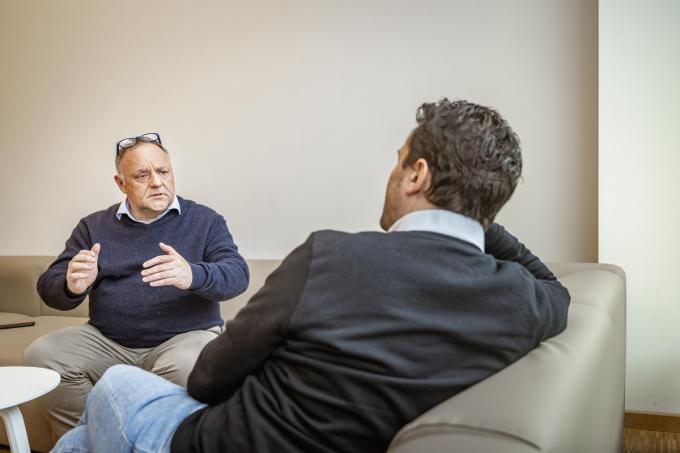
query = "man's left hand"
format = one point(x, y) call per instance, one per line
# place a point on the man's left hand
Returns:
point(168, 269)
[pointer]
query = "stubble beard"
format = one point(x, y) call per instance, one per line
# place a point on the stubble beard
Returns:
point(388, 216)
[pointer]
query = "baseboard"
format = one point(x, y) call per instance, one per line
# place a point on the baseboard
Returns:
point(652, 421)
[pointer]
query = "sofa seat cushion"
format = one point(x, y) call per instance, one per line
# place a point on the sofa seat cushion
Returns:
point(16, 339)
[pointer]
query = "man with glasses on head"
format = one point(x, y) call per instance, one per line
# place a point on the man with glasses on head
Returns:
point(155, 268)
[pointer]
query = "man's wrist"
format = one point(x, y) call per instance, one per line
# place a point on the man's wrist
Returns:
point(73, 295)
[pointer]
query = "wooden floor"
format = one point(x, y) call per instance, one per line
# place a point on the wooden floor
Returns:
point(641, 441)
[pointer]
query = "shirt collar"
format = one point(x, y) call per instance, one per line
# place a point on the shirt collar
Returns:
point(124, 208)
point(443, 222)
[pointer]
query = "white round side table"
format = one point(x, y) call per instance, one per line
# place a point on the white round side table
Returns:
point(19, 384)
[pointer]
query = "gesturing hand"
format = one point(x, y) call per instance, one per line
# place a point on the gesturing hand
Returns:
point(82, 270)
point(169, 269)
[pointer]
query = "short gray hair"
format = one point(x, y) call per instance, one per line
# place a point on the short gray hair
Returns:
point(120, 154)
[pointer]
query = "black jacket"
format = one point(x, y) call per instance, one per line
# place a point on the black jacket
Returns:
point(355, 335)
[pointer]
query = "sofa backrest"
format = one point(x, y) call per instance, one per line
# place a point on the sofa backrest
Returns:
point(18, 279)
point(259, 270)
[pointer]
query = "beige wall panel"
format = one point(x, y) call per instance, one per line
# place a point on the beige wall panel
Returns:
point(285, 115)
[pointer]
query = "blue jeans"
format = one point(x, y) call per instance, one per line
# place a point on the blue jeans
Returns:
point(129, 410)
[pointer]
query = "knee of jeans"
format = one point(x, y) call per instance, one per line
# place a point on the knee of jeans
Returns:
point(111, 381)
point(116, 372)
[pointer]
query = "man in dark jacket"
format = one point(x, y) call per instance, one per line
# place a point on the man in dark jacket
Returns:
point(354, 335)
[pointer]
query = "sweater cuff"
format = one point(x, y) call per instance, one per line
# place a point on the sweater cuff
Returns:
point(198, 276)
point(76, 298)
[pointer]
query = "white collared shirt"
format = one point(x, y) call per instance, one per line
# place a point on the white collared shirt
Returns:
point(443, 222)
point(124, 208)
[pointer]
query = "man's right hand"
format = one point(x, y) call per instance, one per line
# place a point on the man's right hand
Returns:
point(82, 270)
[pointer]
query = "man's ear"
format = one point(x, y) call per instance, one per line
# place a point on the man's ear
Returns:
point(420, 177)
point(120, 183)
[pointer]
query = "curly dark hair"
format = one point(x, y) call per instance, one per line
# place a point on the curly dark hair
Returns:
point(473, 154)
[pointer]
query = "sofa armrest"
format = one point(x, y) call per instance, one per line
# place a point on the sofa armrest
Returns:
point(562, 269)
point(566, 395)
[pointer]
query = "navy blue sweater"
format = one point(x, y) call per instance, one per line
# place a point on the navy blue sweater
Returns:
point(126, 309)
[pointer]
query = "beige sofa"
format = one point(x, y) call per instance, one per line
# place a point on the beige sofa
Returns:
point(565, 396)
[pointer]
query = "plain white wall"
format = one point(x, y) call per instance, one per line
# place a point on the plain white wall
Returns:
point(639, 187)
point(285, 116)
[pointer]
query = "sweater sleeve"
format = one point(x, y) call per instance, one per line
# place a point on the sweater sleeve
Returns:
point(52, 283)
point(504, 246)
point(223, 273)
point(551, 298)
point(256, 331)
